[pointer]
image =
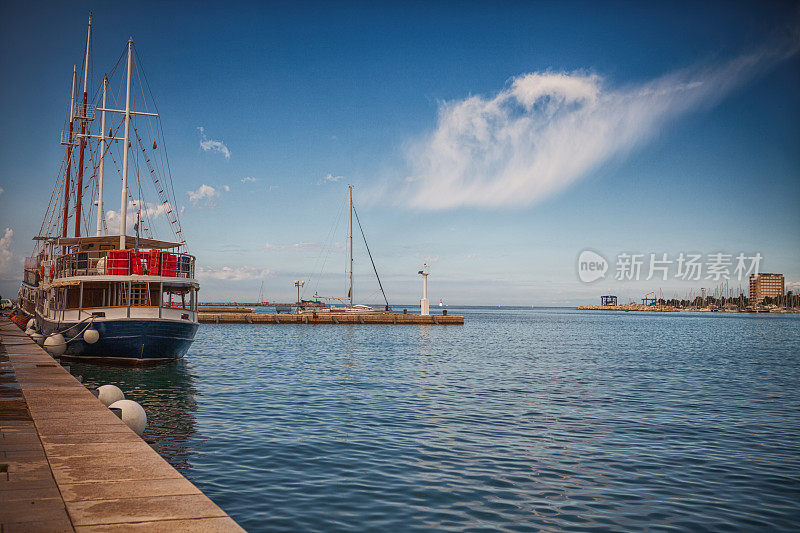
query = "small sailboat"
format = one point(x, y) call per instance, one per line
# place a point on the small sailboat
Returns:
point(351, 307)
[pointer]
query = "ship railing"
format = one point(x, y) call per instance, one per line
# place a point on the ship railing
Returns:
point(80, 115)
point(123, 263)
point(68, 138)
point(32, 263)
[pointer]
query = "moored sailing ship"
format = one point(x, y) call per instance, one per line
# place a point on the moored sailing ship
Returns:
point(112, 296)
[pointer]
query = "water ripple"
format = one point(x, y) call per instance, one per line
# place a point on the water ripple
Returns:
point(519, 421)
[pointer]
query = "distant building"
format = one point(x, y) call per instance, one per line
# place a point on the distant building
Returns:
point(608, 300)
point(763, 285)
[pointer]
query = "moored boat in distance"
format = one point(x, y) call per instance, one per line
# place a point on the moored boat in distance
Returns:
point(111, 297)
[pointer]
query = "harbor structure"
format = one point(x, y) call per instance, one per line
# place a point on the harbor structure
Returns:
point(424, 304)
point(326, 316)
point(70, 464)
point(764, 285)
point(609, 300)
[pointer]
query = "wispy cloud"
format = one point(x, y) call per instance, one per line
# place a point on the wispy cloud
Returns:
point(7, 256)
point(331, 177)
point(548, 129)
point(150, 212)
point(205, 195)
point(207, 144)
point(291, 247)
point(248, 179)
point(238, 273)
point(226, 188)
point(1, 191)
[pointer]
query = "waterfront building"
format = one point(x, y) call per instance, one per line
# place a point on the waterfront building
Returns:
point(764, 284)
point(608, 300)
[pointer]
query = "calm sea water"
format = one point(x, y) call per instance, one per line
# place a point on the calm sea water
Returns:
point(519, 420)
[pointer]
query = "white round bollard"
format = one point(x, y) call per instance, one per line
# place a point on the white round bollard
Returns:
point(108, 394)
point(132, 414)
point(91, 335)
point(55, 344)
point(37, 337)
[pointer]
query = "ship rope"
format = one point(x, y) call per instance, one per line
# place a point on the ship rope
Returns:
point(370, 257)
point(324, 252)
point(164, 185)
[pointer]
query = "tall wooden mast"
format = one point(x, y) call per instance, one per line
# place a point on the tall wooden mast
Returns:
point(102, 161)
point(123, 209)
point(83, 118)
point(68, 176)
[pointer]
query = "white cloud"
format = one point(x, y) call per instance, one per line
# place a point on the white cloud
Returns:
point(292, 247)
point(207, 144)
point(239, 273)
point(205, 194)
point(149, 212)
point(248, 179)
point(226, 188)
point(547, 129)
point(793, 286)
point(1, 191)
point(7, 256)
point(331, 177)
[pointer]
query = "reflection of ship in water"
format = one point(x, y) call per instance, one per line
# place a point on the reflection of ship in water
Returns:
point(167, 394)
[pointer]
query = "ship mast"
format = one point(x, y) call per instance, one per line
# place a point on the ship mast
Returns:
point(68, 176)
point(102, 161)
point(83, 118)
point(350, 187)
point(123, 226)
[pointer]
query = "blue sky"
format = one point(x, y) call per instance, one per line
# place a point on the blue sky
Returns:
point(494, 140)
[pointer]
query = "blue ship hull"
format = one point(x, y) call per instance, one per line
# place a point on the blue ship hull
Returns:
point(127, 340)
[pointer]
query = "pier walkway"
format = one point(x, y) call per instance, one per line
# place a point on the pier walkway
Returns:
point(326, 318)
point(67, 463)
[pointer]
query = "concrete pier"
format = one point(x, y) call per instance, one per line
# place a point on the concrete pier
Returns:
point(328, 318)
point(67, 463)
point(631, 307)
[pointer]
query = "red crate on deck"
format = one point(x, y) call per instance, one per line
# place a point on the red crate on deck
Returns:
point(154, 262)
point(170, 265)
point(117, 262)
point(136, 262)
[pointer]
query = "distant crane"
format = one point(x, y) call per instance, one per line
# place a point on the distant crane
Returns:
point(649, 301)
point(298, 284)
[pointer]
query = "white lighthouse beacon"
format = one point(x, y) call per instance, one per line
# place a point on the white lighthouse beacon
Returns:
point(423, 304)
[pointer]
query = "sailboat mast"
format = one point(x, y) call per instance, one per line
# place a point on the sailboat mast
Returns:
point(123, 209)
point(83, 119)
point(350, 187)
point(68, 177)
point(102, 161)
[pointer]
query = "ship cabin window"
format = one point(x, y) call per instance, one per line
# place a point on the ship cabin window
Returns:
point(124, 294)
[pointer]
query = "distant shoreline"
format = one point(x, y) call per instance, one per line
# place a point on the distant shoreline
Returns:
point(671, 309)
